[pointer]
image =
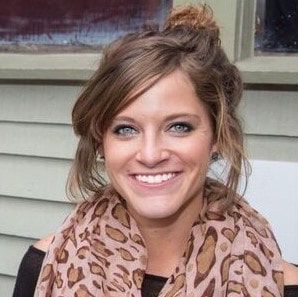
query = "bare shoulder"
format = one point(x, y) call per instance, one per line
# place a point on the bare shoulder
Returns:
point(290, 273)
point(44, 243)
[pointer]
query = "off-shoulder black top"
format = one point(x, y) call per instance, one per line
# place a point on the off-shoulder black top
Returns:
point(31, 264)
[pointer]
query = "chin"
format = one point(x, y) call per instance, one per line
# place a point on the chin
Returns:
point(156, 213)
point(155, 210)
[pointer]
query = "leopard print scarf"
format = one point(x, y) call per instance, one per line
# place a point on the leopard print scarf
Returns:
point(99, 251)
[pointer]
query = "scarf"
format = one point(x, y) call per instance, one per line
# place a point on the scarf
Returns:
point(99, 251)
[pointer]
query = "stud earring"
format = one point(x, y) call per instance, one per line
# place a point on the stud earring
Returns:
point(215, 156)
point(100, 158)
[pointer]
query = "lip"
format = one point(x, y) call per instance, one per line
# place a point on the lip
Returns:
point(162, 185)
point(155, 173)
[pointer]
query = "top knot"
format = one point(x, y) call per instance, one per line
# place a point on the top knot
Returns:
point(199, 17)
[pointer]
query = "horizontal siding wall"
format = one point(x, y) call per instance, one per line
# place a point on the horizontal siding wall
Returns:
point(36, 148)
point(270, 117)
point(37, 103)
point(33, 177)
point(37, 139)
point(37, 145)
point(32, 218)
point(270, 112)
point(6, 285)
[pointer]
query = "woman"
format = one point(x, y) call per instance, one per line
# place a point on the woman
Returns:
point(161, 108)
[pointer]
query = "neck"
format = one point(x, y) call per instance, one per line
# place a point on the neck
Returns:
point(166, 238)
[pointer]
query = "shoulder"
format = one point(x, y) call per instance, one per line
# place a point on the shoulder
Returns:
point(44, 243)
point(290, 274)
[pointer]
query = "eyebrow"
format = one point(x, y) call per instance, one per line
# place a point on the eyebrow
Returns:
point(168, 118)
point(182, 115)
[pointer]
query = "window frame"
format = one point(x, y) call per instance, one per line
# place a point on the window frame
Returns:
point(272, 69)
point(237, 35)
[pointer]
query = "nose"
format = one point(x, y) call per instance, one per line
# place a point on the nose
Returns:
point(152, 150)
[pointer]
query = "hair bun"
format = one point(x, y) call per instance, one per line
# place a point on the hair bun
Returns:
point(196, 17)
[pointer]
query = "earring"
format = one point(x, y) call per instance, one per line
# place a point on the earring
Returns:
point(215, 156)
point(100, 158)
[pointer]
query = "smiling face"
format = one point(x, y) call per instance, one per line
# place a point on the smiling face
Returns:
point(157, 150)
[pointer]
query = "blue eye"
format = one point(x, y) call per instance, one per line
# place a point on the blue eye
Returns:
point(124, 130)
point(181, 128)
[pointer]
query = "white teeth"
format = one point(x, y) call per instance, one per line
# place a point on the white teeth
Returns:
point(155, 179)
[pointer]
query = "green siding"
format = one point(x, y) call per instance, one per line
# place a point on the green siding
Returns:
point(30, 177)
point(271, 112)
point(273, 148)
point(36, 139)
point(12, 248)
point(37, 103)
point(32, 218)
point(6, 285)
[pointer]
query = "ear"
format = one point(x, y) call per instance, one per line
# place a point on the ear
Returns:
point(214, 155)
point(214, 148)
point(100, 150)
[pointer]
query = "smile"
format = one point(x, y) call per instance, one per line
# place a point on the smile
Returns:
point(155, 179)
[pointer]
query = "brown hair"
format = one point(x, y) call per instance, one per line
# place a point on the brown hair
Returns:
point(134, 63)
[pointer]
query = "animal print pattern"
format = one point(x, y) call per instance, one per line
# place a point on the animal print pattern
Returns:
point(99, 251)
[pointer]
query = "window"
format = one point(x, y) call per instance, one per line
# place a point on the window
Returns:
point(256, 66)
point(235, 17)
point(73, 25)
point(276, 26)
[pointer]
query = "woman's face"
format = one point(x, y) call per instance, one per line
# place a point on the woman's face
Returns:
point(157, 150)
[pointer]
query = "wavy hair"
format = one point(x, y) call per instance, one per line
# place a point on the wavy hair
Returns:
point(132, 64)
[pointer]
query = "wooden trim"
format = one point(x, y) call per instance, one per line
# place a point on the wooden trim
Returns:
point(269, 70)
point(48, 66)
point(245, 28)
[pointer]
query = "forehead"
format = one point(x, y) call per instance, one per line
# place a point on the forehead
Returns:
point(170, 95)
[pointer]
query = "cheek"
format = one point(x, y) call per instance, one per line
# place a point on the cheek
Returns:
point(196, 152)
point(116, 154)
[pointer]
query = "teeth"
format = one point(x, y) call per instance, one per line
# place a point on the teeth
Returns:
point(155, 179)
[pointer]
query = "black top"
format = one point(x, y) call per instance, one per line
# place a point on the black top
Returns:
point(31, 265)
